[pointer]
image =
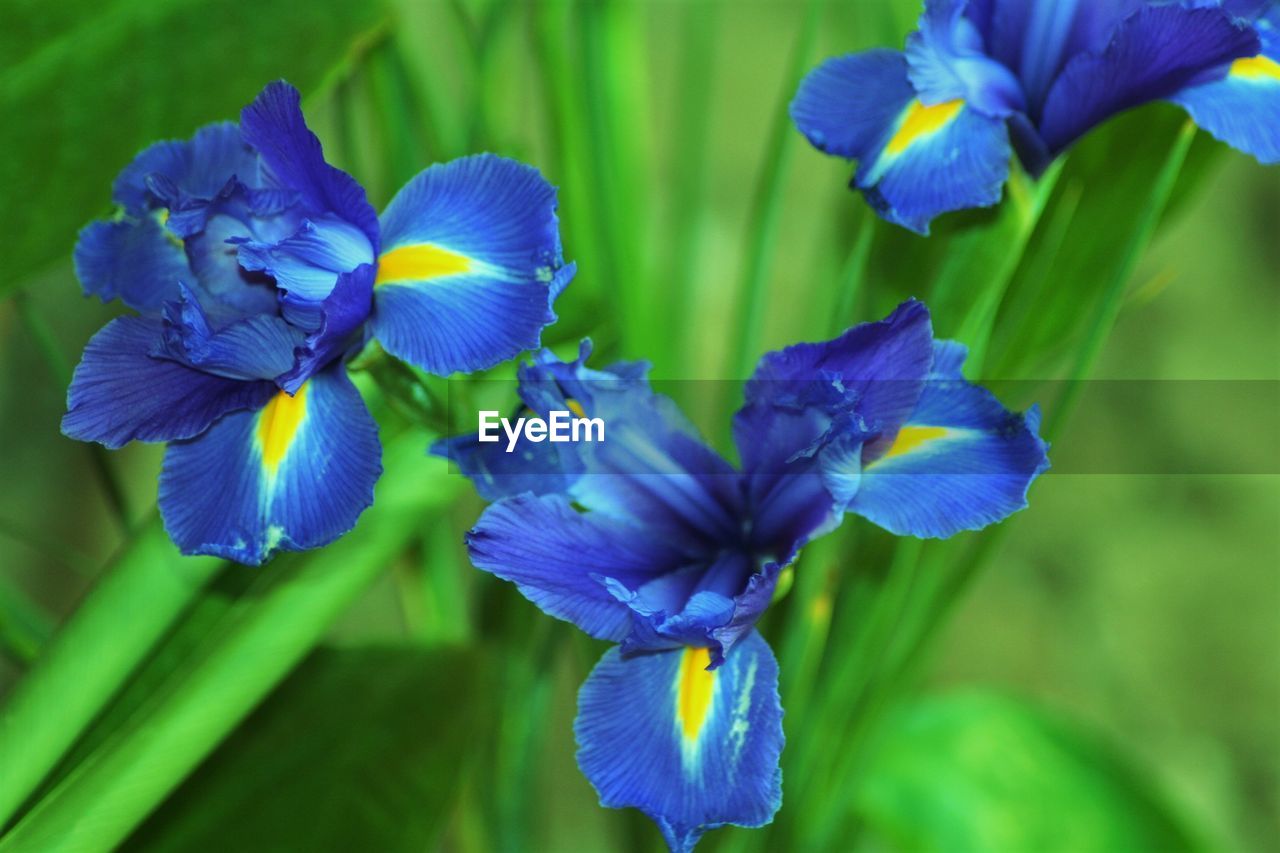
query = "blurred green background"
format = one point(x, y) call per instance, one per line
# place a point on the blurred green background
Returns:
point(1102, 674)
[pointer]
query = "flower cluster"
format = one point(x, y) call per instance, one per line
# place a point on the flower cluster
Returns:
point(933, 128)
point(257, 269)
point(653, 541)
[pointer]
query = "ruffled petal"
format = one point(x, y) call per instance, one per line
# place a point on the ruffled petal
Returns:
point(121, 393)
point(471, 265)
point(172, 172)
point(260, 346)
point(691, 748)
point(133, 260)
point(292, 475)
point(1153, 54)
point(961, 462)
point(561, 559)
point(948, 62)
point(294, 160)
point(1242, 108)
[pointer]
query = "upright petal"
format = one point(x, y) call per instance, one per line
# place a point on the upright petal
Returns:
point(135, 261)
point(293, 159)
point(121, 393)
point(194, 169)
point(1153, 54)
point(948, 62)
point(291, 475)
point(961, 461)
point(561, 559)
point(471, 265)
point(691, 748)
point(1242, 106)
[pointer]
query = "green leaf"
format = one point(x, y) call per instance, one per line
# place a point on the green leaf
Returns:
point(358, 750)
point(86, 89)
point(978, 771)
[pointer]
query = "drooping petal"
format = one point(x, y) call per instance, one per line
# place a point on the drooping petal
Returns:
point(471, 265)
point(560, 559)
point(134, 261)
point(1154, 54)
point(691, 748)
point(915, 161)
point(291, 475)
point(961, 462)
point(121, 393)
point(1242, 106)
point(293, 159)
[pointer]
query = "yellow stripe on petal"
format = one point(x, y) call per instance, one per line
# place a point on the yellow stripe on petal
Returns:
point(1256, 68)
point(694, 691)
point(911, 438)
point(278, 425)
point(922, 121)
point(420, 262)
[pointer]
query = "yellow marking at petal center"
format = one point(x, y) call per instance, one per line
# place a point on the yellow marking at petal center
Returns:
point(278, 425)
point(693, 694)
point(910, 438)
point(575, 407)
point(420, 262)
point(921, 121)
point(1256, 68)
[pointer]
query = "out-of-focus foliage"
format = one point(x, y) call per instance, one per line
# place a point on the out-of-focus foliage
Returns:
point(1143, 604)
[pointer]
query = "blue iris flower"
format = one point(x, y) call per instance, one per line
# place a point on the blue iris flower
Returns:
point(257, 269)
point(651, 540)
point(933, 127)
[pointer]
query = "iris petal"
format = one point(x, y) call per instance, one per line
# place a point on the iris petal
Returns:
point(136, 261)
point(471, 265)
point(291, 475)
point(692, 749)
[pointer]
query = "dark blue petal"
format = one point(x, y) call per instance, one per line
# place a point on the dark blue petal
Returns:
point(197, 169)
point(1153, 54)
point(540, 469)
point(961, 462)
point(135, 261)
point(692, 749)
point(847, 105)
point(561, 559)
point(293, 159)
point(947, 62)
point(1242, 107)
point(878, 367)
point(333, 326)
point(471, 265)
point(261, 346)
point(293, 475)
point(120, 393)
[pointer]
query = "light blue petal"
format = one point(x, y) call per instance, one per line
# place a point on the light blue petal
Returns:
point(470, 266)
point(847, 104)
point(1242, 108)
point(292, 475)
point(692, 749)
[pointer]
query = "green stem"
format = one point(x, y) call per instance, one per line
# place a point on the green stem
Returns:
point(255, 645)
point(853, 274)
point(766, 214)
point(1113, 299)
point(139, 597)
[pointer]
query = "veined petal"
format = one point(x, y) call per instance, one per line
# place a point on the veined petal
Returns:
point(1242, 108)
point(691, 748)
point(961, 462)
point(560, 559)
point(1153, 54)
point(134, 260)
point(937, 158)
point(121, 393)
point(260, 346)
point(291, 475)
point(470, 266)
point(846, 105)
point(293, 159)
